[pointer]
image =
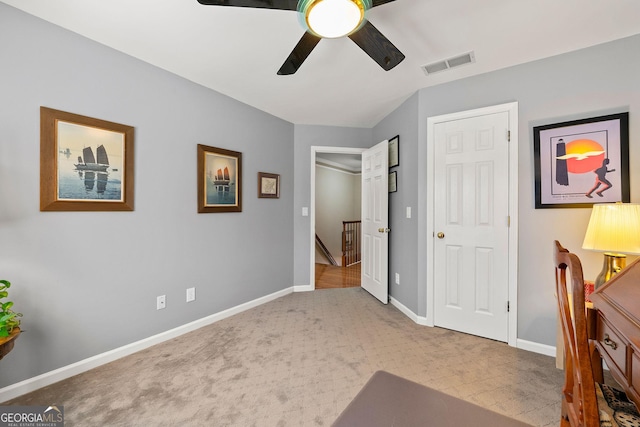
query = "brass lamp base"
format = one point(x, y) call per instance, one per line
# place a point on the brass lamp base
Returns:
point(613, 263)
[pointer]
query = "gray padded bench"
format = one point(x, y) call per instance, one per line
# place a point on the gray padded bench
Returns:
point(387, 400)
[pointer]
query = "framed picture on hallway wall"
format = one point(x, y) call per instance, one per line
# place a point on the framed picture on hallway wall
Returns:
point(394, 151)
point(86, 164)
point(219, 180)
point(393, 182)
point(582, 162)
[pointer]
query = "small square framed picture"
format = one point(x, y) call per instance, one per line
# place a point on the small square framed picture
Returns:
point(268, 185)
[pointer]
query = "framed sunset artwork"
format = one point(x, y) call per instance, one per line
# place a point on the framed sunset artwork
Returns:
point(582, 162)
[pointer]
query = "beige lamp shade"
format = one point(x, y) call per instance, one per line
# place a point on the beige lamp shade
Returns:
point(614, 228)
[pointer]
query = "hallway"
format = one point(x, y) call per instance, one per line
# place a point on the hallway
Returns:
point(331, 277)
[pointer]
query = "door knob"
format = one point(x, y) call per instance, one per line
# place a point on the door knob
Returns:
point(384, 230)
point(440, 235)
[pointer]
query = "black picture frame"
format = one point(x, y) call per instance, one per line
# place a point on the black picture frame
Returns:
point(577, 161)
point(393, 182)
point(394, 151)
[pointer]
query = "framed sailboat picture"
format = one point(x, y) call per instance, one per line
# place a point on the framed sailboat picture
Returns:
point(86, 164)
point(219, 180)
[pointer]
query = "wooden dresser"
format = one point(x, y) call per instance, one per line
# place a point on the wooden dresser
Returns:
point(617, 328)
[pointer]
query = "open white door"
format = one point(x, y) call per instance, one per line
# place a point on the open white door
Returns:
point(375, 221)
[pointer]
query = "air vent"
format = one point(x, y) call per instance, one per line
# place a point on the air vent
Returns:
point(449, 63)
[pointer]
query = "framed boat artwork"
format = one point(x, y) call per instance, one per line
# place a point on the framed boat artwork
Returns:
point(219, 180)
point(86, 164)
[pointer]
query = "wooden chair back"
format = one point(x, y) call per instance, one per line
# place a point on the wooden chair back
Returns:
point(579, 402)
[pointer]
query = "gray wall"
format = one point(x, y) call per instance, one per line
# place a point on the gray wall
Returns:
point(599, 80)
point(87, 282)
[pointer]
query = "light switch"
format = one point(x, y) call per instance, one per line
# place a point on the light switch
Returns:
point(408, 211)
point(305, 211)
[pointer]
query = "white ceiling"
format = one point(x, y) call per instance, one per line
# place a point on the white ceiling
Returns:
point(237, 51)
point(348, 162)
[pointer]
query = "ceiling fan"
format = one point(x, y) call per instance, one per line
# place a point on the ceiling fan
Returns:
point(328, 19)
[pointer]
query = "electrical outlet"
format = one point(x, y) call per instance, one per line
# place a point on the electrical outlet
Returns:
point(397, 278)
point(161, 302)
point(191, 294)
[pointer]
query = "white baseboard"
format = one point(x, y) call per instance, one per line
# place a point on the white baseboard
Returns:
point(410, 314)
point(534, 347)
point(31, 384)
point(304, 288)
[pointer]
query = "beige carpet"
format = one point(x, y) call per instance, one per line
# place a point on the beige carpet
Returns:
point(299, 361)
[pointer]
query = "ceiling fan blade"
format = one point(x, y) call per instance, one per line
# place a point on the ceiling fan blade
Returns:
point(379, 2)
point(264, 4)
point(299, 54)
point(377, 46)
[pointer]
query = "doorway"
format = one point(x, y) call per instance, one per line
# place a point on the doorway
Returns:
point(323, 275)
point(337, 200)
point(472, 222)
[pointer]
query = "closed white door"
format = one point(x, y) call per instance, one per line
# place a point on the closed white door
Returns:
point(375, 221)
point(471, 225)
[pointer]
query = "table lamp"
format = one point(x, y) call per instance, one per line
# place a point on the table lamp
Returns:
point(614, 228)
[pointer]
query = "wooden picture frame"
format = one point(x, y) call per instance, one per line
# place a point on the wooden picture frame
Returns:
point(394, 151)
point(393, 182)
point(582, 162)
point(72, 178)
point(268, 185)
point(219, 180)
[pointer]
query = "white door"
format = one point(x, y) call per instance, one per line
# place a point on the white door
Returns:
point(471, 225)
point(375, 221)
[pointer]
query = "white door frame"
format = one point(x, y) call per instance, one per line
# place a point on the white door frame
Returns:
point(512, 109)
point(312, 203)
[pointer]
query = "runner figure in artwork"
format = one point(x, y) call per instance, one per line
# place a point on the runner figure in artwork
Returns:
point(601, 179)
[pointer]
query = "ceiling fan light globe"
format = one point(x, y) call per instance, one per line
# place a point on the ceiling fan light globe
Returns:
point(333, 18)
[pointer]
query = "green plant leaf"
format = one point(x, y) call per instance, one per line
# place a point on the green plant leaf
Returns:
point(4, 332)
point(12, 324)
point(4, 294)
point(6, 317)
point(7, 305)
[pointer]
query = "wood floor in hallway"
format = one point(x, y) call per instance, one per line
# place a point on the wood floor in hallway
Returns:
point(331, 277)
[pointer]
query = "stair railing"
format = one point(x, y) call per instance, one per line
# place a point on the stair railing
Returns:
point(350, 243)
point(325, 251)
